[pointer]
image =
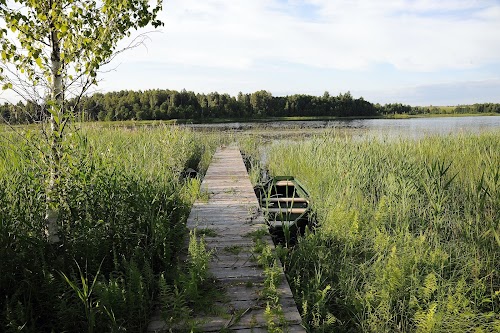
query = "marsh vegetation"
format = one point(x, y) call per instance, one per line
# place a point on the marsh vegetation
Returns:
point(123, 208)
point(408, 233)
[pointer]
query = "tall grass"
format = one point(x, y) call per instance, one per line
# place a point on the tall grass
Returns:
point(124, 206)
point(408, 236)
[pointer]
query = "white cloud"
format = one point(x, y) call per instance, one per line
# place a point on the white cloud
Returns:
point(411, 35)
point(238, 39)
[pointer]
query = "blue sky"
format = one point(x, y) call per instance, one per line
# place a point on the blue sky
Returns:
point(419, 52)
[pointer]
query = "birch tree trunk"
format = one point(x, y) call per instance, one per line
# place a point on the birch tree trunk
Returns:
point(55, 136)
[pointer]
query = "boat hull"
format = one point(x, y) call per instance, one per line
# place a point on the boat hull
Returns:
point(285, 203)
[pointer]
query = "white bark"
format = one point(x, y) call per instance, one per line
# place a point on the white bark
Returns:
point(53, 199)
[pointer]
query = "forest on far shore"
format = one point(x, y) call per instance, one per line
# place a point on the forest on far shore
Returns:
point(167, 104)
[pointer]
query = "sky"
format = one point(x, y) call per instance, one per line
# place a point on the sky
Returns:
point(417, 52)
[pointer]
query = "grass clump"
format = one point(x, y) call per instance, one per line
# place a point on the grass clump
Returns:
point(233, 249)
point(408, 233)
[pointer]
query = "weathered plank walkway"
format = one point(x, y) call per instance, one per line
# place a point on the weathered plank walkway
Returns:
point(232, 212)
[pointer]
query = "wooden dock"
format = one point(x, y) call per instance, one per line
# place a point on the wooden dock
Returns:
point(232, 213)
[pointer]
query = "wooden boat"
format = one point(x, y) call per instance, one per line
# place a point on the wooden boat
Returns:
point(285, 203)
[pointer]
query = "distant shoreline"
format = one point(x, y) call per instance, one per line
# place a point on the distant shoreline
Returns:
point(274, 119)
point(127, 123)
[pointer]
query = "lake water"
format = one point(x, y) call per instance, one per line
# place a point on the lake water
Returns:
point(412, 127)
point(418, 127)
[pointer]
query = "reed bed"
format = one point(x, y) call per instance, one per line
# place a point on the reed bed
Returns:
point(122, 219)
point(408, 235)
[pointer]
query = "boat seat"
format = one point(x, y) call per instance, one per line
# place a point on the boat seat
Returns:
point(285, 200)
point(284, 183)
point(285, 210)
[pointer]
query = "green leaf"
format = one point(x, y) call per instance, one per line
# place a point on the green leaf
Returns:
point(7, 86)
point(38, 62)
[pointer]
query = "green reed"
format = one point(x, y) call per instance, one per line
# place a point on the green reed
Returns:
point(122, 224)
point(408, 235)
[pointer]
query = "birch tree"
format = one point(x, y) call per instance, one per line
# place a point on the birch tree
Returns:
point(52, 50)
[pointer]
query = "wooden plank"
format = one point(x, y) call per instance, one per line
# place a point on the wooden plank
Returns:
point(284, 210)
point(296, 199)
point(254, 317)
point(228, 218)
point(284, 183)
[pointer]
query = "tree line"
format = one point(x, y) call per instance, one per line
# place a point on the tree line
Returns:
point(167, 104)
